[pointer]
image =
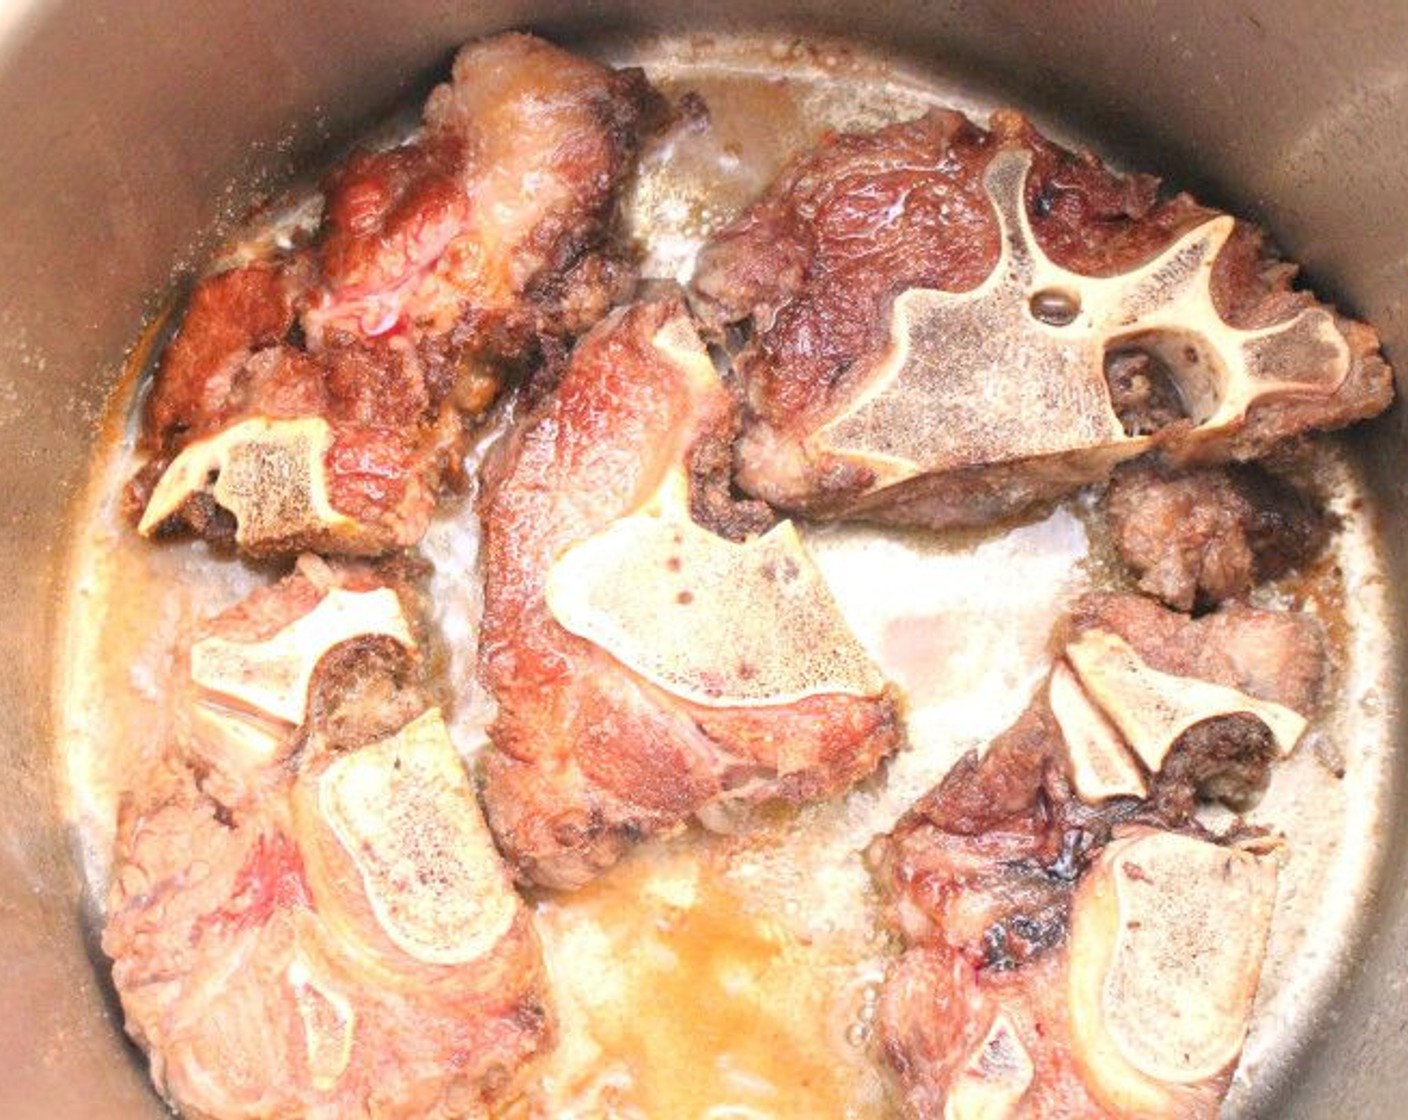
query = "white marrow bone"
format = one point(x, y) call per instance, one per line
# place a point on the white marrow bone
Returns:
point(1167, 939)
point(239, 742)
point(976, 379)
point(995, 1078)
point(269, 474)
point(405, 815)
point(328, 1023)
point(271, 677)
point(1152, 709)
point(1100, 765)
point(712, 621)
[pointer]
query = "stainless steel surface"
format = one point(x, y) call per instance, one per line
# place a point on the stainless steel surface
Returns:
point(127, 128)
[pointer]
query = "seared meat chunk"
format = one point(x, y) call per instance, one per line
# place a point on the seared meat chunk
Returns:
point(1195, 538)
point(979, 878)
point(947, 325)
point(1276, 656)
point(278, 450)
point(307, 915)
point(1076, 945)
point(652, 656)
point(1013, 981)
point(494, 229)
point(315, 400)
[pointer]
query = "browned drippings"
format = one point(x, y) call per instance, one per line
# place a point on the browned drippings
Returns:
point(696, 1002)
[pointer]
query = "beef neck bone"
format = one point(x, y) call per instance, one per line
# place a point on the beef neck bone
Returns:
point(1015, 367)
point(1109, 702)
point(715, 622)
point(252, 693)
point(271, 474)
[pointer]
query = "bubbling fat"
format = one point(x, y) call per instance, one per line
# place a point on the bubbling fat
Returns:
point(712, 621)
point(404, 813)
point(270, 475)
point(1015, 384)
point(1167, 938)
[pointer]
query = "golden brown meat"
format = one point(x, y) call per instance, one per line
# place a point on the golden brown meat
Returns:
point(1196, 538)
point(1017, 994)
point(652, 657)
point(315, 400)
point(942, 319)
point(308, 916)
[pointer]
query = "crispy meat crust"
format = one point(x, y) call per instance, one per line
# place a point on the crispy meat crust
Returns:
point(441, 266)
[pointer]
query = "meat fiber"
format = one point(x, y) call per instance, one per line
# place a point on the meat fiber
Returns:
point(653, 657)
point(951, 324)
point(307, 915)
point(330, 383)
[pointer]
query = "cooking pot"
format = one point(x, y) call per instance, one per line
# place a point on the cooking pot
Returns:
point(128, 131)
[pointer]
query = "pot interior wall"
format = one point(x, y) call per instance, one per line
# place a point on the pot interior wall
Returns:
point(130, 131)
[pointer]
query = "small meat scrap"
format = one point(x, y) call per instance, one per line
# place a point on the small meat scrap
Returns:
point(315, 399)
point(657, 648)
point(1195, 538)
point(1075, 943)
point(308, 916)
point(951, 325)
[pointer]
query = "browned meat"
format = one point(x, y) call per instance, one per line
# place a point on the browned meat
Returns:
point(315, 400)
point(308, 917)
point(495, 228)
point(1195, 538)
point(652, 658)
point(278, 449)
point(979, 878)
point(1001, 882)
point(942, 319)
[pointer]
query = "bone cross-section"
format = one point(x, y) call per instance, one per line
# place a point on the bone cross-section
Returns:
point(982, 379)
point(939, 316)
point(321, 636)
point(657, 648)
